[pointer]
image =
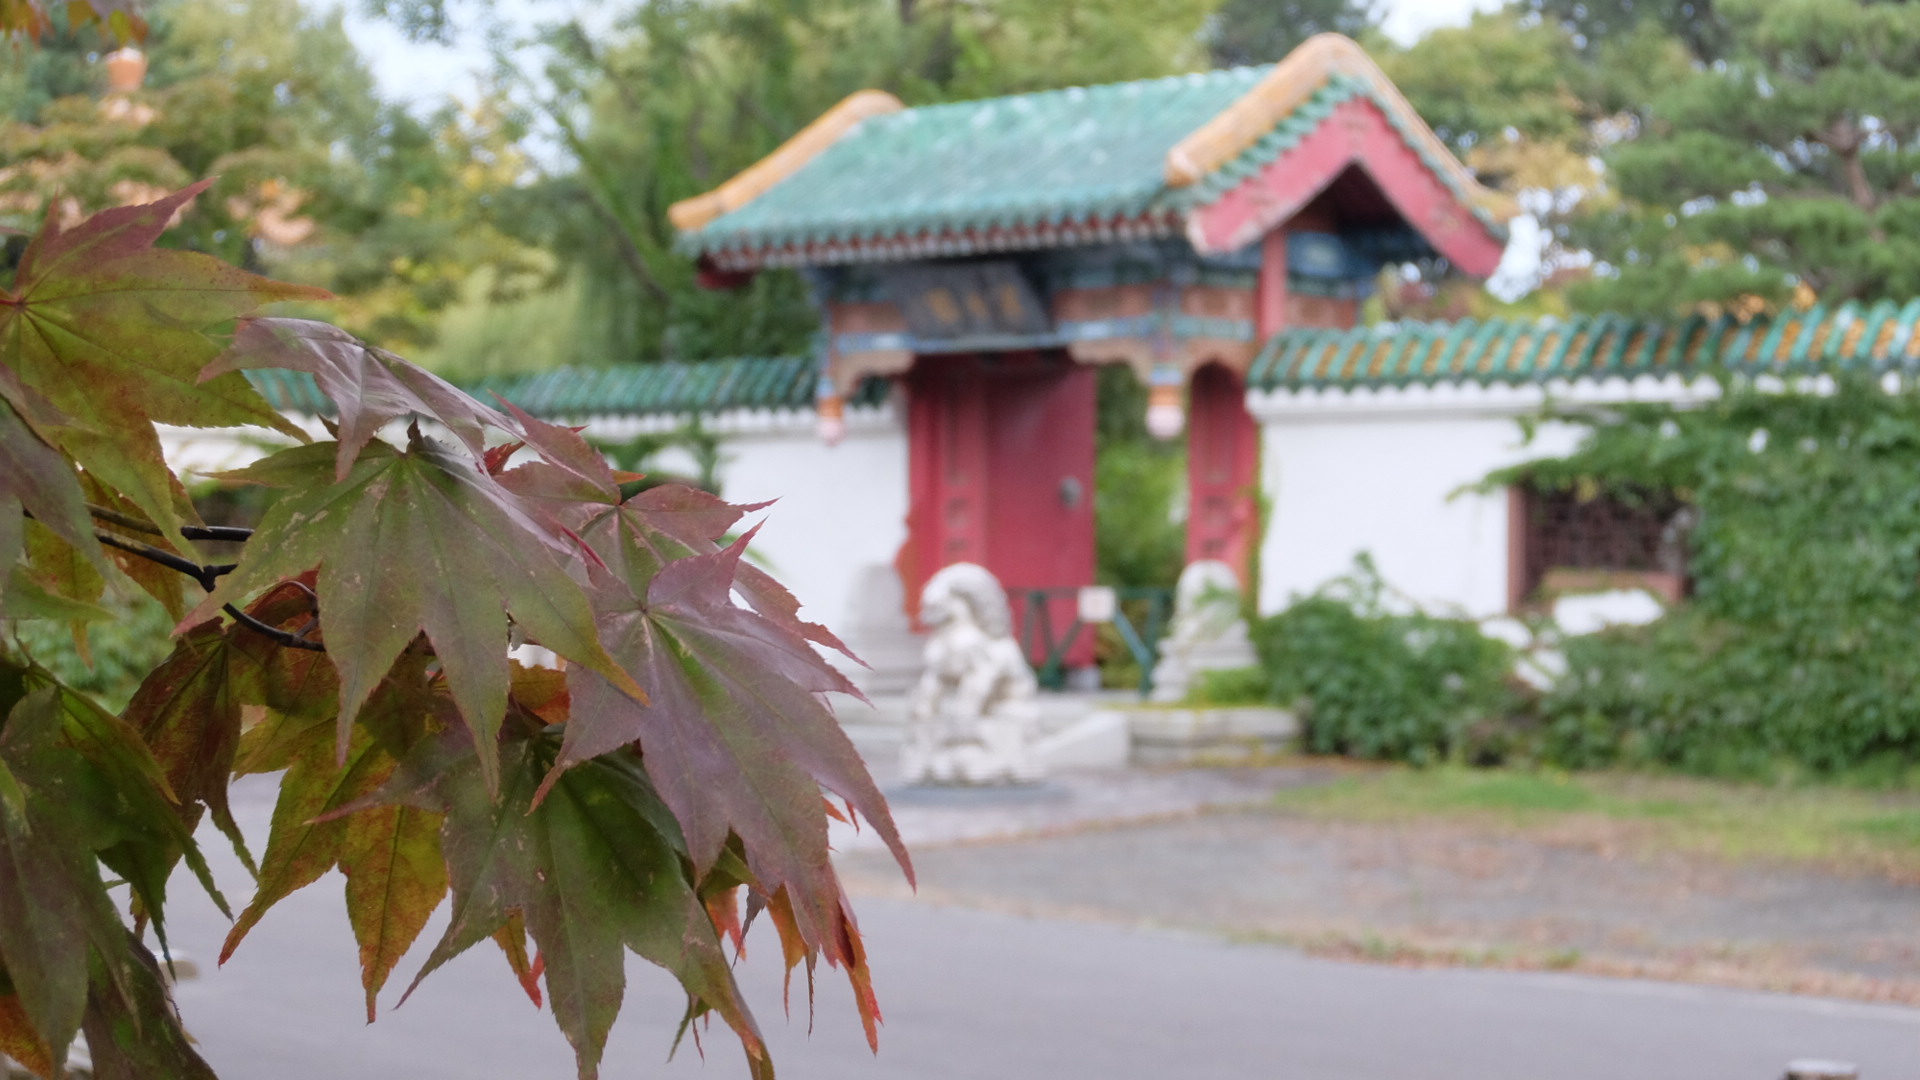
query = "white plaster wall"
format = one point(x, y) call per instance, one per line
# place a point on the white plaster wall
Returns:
point(1386, 485)
point(1382, 472)
point(840, 509)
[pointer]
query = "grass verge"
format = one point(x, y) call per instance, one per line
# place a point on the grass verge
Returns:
point(1834, 827)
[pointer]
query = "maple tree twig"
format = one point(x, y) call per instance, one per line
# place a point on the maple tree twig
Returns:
point(208, 577)
point(231, 533)
point(285, 637)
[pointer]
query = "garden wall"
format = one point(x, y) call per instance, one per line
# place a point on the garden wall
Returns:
point(1382, 471)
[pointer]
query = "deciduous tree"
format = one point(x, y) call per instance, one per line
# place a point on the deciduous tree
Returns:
point(667, 788)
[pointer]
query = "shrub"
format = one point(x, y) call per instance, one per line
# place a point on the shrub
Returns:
point(1373, 683)
point(1798, 648)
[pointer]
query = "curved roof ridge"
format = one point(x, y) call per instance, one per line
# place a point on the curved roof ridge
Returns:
point(1288, 86)
point(1108, 89)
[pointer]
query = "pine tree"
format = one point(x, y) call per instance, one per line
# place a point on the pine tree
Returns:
point(1262, 31)
point(1791, 165)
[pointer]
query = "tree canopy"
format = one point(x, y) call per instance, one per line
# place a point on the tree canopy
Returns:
point(1789, 165)
point(318, 179)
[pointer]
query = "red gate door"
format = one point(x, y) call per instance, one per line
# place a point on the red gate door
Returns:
point(1223, 463)
point(1001, 449)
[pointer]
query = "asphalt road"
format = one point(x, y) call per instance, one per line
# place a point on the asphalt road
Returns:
point(978, 995)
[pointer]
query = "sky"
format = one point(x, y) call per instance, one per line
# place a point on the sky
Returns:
point(426, 75)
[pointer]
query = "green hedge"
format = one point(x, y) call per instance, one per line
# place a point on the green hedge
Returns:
point(1801, 644)
point(1370, 682)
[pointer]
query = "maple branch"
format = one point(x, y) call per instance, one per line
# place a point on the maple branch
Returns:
point(230, 533)
point(285, 637)
point(208, 577)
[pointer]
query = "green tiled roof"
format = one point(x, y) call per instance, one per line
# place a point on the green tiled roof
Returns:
point(781, 382)
point(1875, 338)
point(1045, 158)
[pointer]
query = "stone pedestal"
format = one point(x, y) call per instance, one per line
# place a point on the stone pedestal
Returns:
point(1223, 736)
point(1207, 633)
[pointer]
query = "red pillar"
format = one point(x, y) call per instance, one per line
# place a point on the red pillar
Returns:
point(1270, 301)
point(1223, 472)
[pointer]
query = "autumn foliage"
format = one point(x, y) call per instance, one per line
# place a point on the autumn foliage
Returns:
point(667, 788)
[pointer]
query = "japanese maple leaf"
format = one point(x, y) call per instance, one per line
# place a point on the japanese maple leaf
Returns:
point(593, 870)
point(53, 907)
point(390, 854)
point(114, 333)
point(36, 479)
point(369, 387)
point(653, 527)
point(734, 734)
point(188, 712)
point(79, 791)
point(188, 709)
point(411, 542)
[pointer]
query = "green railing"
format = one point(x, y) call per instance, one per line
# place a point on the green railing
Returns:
point(1139, 615)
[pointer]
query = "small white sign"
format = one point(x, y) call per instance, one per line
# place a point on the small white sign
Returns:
point(1098, 603)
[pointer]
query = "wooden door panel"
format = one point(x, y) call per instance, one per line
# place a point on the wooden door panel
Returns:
point(1002, 473)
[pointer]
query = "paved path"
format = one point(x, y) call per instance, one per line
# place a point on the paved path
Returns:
point(973, 994)
point(1579, 898)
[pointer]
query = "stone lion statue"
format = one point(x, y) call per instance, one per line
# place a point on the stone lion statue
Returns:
point(973, 712)
point(1207, 633)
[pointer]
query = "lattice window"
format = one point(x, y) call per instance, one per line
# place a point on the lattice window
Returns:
point(1561, 541)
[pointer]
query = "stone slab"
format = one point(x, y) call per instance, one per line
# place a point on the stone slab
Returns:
point(1184, 736)
point(1097, 741)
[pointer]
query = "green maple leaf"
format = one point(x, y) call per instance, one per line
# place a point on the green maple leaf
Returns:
point(131, 811)
point(418, 542)
point(593, 870)
point(369, 387)
point(54, 908)
point(87, 794)
point(734, 734)
point(114, 333)
point(133, 1030)
point(390, 854)
point(36, 479)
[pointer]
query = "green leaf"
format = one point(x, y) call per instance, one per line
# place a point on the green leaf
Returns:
point(369, 387)
point(27, 598)
point(135, 824)
point(36, 479)
point(53, 906)
point(592, 874)
point(133, 1030)
point(390, 854)
point(83, 327)
point(418, 542)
